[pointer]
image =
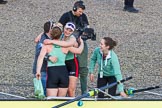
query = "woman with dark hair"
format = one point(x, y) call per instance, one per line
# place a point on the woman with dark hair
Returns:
point(109, 68)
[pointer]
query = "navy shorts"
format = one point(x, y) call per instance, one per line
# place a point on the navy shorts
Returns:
point(57, 77)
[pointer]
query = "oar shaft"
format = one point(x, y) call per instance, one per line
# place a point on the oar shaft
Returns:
point(115, 83)
point(72, 100)
point(145, 89)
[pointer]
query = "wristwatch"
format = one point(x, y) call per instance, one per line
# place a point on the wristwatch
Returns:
point(47, 57)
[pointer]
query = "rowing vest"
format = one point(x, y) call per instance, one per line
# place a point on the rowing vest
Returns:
point(69, 55)
point(57, 52)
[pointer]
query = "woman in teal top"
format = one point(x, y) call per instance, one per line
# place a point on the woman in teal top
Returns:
point(108, 67)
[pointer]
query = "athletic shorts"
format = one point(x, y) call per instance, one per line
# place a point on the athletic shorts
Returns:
point(57, 77)
point(72, 67)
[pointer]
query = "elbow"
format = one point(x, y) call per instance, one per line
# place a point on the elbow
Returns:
point(78, 52)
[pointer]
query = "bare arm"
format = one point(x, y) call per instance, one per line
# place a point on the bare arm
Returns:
point(40, 61)
point(79, 49)
point(36, 40)
point(69, 43)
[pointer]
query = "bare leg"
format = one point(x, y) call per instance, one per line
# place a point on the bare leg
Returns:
point(52, 92)
point(62, 92)
point(72, 86)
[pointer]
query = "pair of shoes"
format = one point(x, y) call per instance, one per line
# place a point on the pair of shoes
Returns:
point(130, 9)
point(3, 2)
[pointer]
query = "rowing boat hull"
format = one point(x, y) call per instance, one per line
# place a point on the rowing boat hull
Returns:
point(86, 104)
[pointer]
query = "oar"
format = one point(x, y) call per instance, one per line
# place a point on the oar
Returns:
point(92, 92)
point(131, 91)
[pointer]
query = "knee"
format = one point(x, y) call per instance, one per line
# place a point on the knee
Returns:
point(71, 87)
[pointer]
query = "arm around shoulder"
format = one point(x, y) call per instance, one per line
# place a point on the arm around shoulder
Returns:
point(79, 49)
point(69, 43)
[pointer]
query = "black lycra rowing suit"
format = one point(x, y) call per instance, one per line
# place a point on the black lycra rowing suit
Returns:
point(71, 62)
point(57, 74)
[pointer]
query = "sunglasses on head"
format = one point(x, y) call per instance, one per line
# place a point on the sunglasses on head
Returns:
point(71, 26)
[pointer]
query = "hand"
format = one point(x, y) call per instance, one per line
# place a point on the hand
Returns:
point(123, 94)
point(37, 39)
point(80, 39)
point(47, 42)
point(76, 45)
point(91, 77)
point(38, 75)
point(53, 59)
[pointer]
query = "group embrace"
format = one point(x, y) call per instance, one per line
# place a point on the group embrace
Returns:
point(61, 57)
